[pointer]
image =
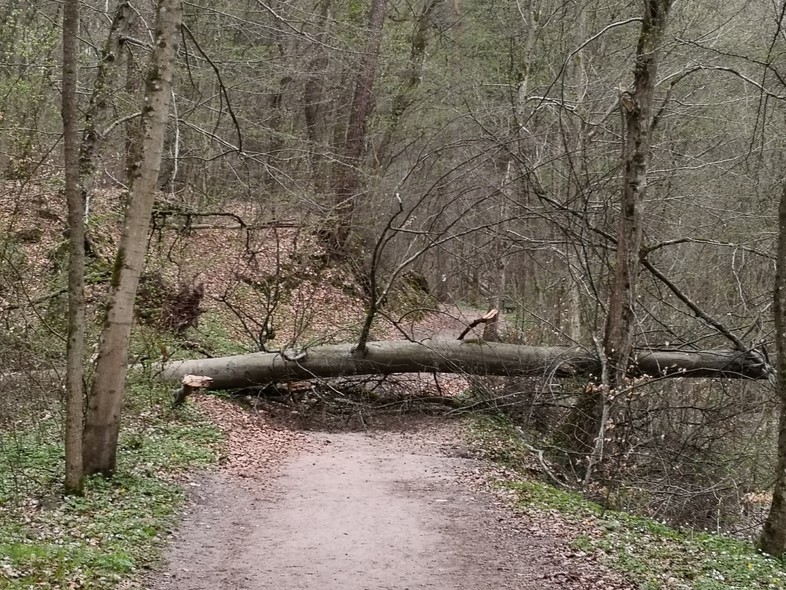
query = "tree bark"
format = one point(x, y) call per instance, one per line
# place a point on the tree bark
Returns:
point(348, 180)
point(99, 108)
point(586, 422)
point(456, 356)
point(773, 535)
point(75, 347)
point(103, 416)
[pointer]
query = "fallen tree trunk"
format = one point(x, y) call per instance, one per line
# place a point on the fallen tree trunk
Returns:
point(457, 356)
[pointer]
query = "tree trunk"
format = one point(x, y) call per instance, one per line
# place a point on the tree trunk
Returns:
point(773, 536)
point(79, 159)
point(618, 338)
point(74, 472)
point(314, 104)
point(103, 415)
point(274, 112)
point(99, 109)
point(413, 75)
point(348, 180)
point(455, 356)
point(585, 423)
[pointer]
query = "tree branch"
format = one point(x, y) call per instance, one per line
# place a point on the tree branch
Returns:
point(693, 307)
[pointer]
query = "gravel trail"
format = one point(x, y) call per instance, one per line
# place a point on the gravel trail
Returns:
point(366, 511)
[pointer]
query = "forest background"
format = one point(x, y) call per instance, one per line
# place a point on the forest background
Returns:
point(607, 175)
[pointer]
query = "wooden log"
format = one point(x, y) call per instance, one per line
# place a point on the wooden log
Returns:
point(457, 356)
point(190, 384)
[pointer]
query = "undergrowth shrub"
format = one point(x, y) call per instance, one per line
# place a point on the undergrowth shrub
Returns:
point(686, 451)
point(652, 554)
point(168, 307)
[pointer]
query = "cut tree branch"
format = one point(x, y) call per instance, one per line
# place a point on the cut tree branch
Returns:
point(490, 316)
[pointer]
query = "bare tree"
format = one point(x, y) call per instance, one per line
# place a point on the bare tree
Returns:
point(589, 414)
point(773, 535)
point(101, 103)
point(74, 473)
point(348, 180)
point(410, 79)
point(104, 406)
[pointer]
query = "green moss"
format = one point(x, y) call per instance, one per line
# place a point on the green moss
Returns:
point(117, 267)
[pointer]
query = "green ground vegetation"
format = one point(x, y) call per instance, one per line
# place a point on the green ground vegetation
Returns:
point(655, 556)
point(115, 531)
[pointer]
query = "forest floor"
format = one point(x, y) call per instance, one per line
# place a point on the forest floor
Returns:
point(403, 506)
point(300, 499)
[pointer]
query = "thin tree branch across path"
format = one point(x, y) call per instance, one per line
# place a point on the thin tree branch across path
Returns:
point(458, 356)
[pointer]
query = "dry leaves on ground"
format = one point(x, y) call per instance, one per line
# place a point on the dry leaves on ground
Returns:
point(254, 444)
point(572, 569)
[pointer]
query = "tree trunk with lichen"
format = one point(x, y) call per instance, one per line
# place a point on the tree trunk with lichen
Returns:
point(102, 424)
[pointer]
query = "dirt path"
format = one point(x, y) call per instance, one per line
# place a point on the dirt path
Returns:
point(359, 511)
